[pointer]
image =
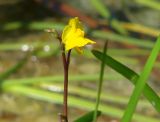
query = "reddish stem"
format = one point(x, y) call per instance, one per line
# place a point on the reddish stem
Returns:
point(66, 61)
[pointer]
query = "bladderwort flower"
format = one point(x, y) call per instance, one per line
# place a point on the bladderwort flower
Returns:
point(73, 36)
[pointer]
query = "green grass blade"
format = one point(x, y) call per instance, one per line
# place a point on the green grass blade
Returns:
point(118, 27)
point(141, 81)
point(73, 101)
point(131, 76)
point(78, 90)
point(99, 6)
point(149, 3)
point(87, 117)
point(91, 94)
point(120, 38)
point(37, 25)
point(117, 66)
point(100, 82)
point(77, 78)
point(12, 69)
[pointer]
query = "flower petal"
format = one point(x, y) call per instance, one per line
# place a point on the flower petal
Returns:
point(77, 42)
point(75, 23)
point(67, 32)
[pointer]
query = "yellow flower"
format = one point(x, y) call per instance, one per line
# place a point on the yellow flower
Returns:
point(73, 36)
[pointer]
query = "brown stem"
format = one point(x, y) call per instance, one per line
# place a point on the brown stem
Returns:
point(68, 58)
point(66, 61)
point(65, 111)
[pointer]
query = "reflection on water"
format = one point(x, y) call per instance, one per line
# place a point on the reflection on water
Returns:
point(46, 48)
point(25, 47)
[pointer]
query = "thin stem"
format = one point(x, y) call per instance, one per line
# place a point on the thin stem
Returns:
point(68, 58)
point(65, 86)
point(100, 82)
point(66, 61)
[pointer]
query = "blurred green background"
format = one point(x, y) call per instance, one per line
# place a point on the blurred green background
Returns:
point(31, 72)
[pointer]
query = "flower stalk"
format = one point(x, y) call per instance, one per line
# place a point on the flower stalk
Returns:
point(66, 61)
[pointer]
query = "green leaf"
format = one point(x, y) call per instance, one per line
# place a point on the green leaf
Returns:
point(131, 76)
point(141, 82)
point(87, 117)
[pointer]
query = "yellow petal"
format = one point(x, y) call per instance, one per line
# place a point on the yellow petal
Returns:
point(79, 32)
point(77, 42)
point(71, 28)
point(75, 23)
point(66, 32)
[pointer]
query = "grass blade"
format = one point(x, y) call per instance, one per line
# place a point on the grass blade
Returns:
point(120, 38)
point(131, 76)
point(13, 69)
point(73, 101)
point(99, 6)
point(154, 4)
point(141, 81)
point(100, 82)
